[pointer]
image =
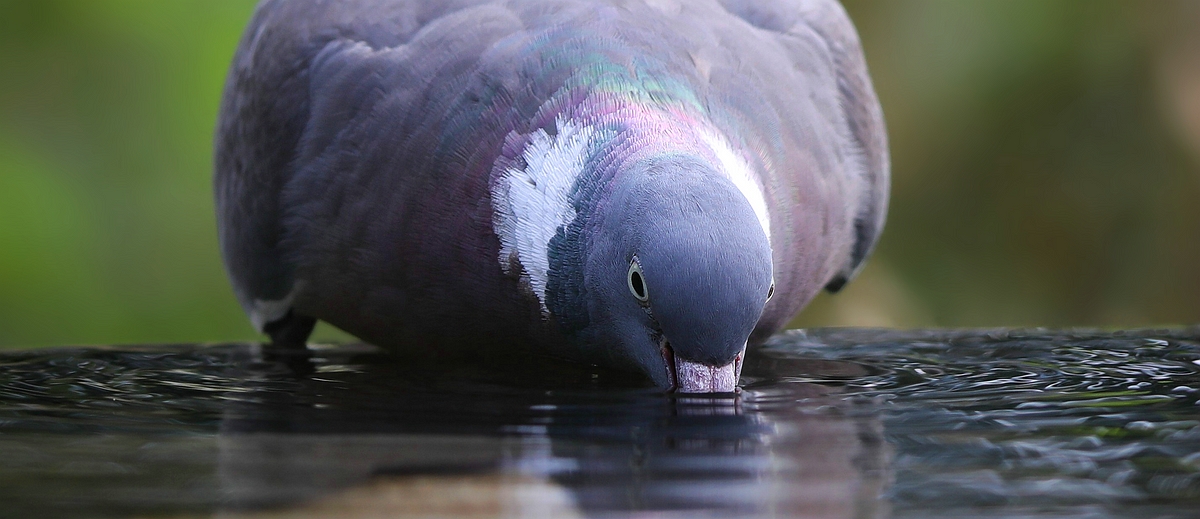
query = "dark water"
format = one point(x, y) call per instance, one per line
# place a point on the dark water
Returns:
point(832, 423)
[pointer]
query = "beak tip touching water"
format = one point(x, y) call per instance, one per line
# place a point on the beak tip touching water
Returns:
point(686, 376)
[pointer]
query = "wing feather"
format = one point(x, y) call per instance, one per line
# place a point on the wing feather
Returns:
point(275, 86)
point(864, 148)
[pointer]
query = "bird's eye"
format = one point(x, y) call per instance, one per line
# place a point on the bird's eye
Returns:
point(637, 285)
point(771, 291)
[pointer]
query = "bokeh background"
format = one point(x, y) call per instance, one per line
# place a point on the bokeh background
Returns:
point(1046, 168)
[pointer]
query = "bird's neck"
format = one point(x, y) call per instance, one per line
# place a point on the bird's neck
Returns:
point(548, 183)
point(626, 132)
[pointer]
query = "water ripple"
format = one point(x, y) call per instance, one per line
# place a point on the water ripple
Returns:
point(830, 423)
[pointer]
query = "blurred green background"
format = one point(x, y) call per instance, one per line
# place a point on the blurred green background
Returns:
point(1046, 166)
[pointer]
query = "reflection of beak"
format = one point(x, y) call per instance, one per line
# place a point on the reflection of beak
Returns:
point(686, 376)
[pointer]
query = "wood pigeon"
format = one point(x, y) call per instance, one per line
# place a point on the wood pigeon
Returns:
point(646, 185)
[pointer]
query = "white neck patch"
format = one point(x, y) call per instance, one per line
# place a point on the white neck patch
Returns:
point(738, 171)
point(530, 205)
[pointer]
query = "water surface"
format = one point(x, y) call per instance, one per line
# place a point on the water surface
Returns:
point(830, 423)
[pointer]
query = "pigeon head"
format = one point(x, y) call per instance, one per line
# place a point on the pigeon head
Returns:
point(679, 270)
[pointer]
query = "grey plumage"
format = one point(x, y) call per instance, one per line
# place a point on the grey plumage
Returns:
point(370, 157)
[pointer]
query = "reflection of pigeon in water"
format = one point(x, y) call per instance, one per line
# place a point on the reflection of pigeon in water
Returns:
point(624, 183)
point(655, 459)
point(376, 437)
